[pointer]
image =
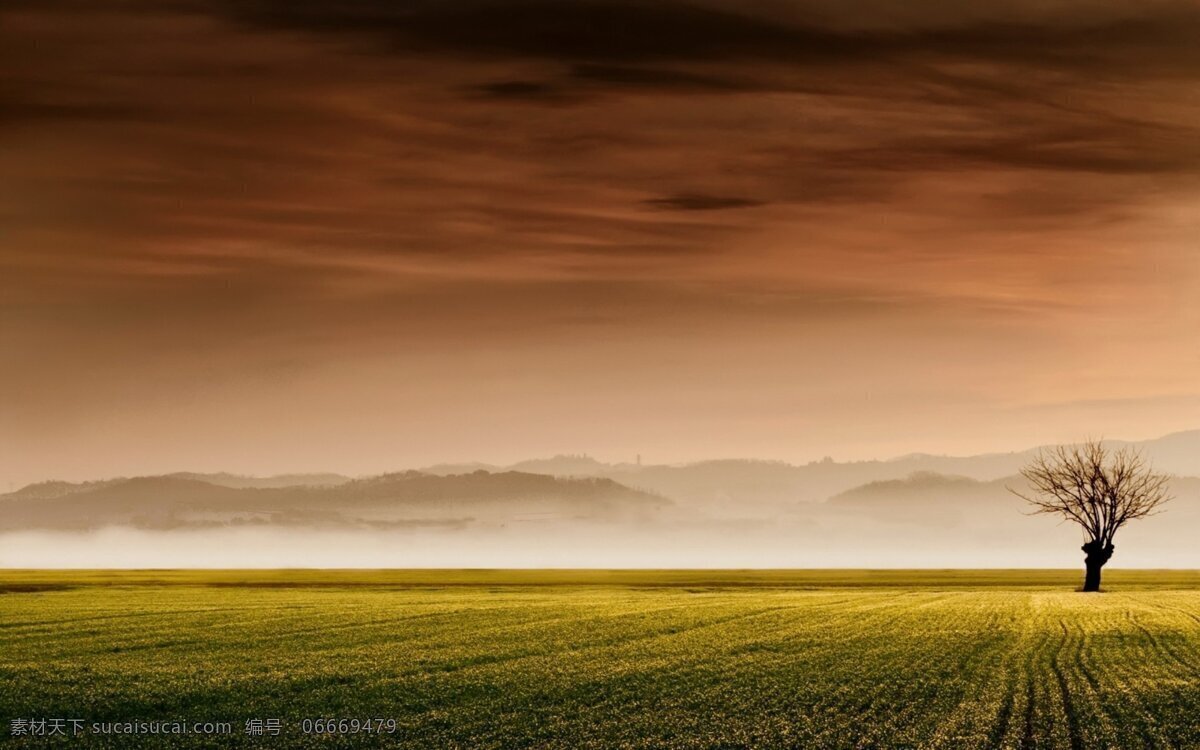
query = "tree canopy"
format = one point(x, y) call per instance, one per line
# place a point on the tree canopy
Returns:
point(1097, 487)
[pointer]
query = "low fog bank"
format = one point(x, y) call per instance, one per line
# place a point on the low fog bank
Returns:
point(787, 545)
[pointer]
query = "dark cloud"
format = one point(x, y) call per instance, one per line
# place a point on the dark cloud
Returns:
point(34, 108)
point(582, 30)
point(700, 202)
point(998, 88)
point(629, 77)
point(1153, 37)
point(585, 82)
point(520, 91)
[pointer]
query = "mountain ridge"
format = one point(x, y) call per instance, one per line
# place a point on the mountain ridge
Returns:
point(176, 501)
point(716, 489)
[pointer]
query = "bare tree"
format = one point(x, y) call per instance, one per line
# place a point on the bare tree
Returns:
point(1100, 489)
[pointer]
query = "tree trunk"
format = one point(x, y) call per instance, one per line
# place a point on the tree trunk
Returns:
point(1091, 578)
point(1097, 555)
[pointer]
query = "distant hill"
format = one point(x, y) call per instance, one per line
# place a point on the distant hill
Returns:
point(870, 494)
point(403, 499)
point(932, 501)
point(937, 488)
point(1177, 453)
point(224, 479)
point(563, 465)
point(915, 511)
point(54, 488)
point(930, 498)
point(759, 489)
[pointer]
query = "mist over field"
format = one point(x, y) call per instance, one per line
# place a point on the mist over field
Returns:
point(551, 546)
point(576, 512)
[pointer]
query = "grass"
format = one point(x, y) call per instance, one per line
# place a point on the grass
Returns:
point(579, 659)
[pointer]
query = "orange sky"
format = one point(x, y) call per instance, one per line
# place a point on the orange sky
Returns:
point(265, 236)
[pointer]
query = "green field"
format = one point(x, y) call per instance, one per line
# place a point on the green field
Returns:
point(688, 659)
